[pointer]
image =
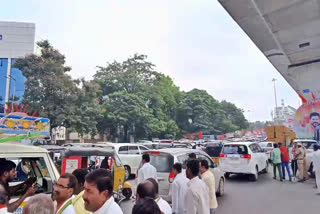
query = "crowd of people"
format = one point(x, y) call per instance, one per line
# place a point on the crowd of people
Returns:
point(84, 192)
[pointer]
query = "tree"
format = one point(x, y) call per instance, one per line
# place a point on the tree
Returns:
point(234, 114)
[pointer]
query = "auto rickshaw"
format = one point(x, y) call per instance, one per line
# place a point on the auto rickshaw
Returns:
point(90, 157)
point(213, 149)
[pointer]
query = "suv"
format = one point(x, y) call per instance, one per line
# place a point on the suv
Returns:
point(130, 155)
point(243, 158)
point(32, 162)
point(268, 147)
point(164, 159)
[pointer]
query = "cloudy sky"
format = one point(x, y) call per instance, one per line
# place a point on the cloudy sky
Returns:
point(194, 41)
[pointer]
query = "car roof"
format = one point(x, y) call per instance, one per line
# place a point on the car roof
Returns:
point(177, 151)
point(304, 140)
point(20, 148)
point(87, 151)
point(240, 143)
point(118, 144)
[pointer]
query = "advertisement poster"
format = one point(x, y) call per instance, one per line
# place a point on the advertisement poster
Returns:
point(307, 119)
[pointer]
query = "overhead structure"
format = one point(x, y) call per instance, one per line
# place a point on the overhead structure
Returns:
point(288, 34)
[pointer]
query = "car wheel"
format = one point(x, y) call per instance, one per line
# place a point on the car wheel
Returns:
point(266, 170)
point(227, 175)
point(128, 172)
point(221, 188)
point(255, 176)
point(127, 193)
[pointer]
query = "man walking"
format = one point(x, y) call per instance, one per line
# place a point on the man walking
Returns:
point(316, 165)
point(300, 154)
point(63, 192)
point(294, 164)
point(276, 161)
point(179, 189)
point(147, 170)
point(208, 178)
point(197, 196)
point(285, 159)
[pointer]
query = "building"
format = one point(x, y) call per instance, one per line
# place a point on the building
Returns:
point(16, 40)
point(284, 115)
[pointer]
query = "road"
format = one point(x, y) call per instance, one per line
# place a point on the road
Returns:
point(265, 196)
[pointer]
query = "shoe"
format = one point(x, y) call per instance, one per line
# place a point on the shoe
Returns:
point(274, 178)
point(281, 180)
point(301, 181)
point(290, 179)
point(284, 178)
point(318, 193)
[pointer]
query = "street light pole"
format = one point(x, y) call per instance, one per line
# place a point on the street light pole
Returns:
point(275, 99)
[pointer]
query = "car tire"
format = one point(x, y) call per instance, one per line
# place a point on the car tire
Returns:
point(128, 172)
point(266, 170)
point(255, 176)
point(221, 188)
point(227, 175)
point(127, 193)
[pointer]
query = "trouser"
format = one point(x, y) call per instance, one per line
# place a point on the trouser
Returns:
point(212, 210)
point(285, 165)
point(317, 172)
point(301, 169)
point(275, 166)
point(305, 172)
point(294, 166)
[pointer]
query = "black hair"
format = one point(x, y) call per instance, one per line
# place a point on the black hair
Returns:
point(178, 167)
point(204, 163)
point(314, 114)
point(102, 178)
point(316, 147)
point(155, 185)
point(192, 156)
point(146, 206)
point(275, 145)
point(80, 175)
point(146, 157)
point(146, 190)
point(6, 166)
point(193, 165)
point(72, 180)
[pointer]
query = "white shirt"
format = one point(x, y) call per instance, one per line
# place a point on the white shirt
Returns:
point(197, 197)
point(179, 190)
point(109, 207)
point(146, 171)
point(208, 178)
point(69, 209)
point(316, 161)
point(164, 206)
point(4, 211)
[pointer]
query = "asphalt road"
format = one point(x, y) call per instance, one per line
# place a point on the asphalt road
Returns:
point(266, 196)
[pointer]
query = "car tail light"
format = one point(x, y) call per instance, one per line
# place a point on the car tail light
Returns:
point(223, 155)
point(155, 152)
point(171, 177)
point(247, 156)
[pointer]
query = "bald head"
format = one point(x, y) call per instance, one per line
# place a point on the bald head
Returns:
point(40, 204)
point(146, 190)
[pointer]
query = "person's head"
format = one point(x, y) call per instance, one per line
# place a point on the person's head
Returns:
point(65, 187)
point(3, 196)
point(314, 119)
point(7, 170)
point(40, 204)
point(204, 166)
point(145, 190)
point(80, 174)
point(315, 147)
point(299, 145)
point(192, 156)
point(98, 188)
point(192, 169)
point(176, 168)
point(146, 206)
point(275, 145)
point(145, 158)
point(155, 186)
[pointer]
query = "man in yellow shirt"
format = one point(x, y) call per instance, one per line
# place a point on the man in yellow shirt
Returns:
point(77, 201)
point(208, 178)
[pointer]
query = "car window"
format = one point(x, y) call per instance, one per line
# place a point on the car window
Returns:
point(269, 145)
point(254, 148)
point(142, 148)
point(162, 162)
point(235, 149)
point(123, 150)
point(183, 160)
point(259, 149)
point(203, 157)
point(133, 150)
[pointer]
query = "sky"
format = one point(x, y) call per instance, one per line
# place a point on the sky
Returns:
point(195, 42)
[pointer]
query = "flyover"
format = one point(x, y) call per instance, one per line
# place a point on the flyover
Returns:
point(288, 34)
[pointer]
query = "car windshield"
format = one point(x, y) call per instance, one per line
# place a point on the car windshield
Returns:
point(162, 162)
point(235, 149)
point(213, 150)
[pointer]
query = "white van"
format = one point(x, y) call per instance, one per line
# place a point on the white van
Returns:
point(36, 163)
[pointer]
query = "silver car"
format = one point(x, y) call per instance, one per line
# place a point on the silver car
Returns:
point(164, 159)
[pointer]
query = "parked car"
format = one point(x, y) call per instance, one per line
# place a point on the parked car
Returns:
point(243, 158)
point(130, 155)
point(164, 159)
point(268, 147)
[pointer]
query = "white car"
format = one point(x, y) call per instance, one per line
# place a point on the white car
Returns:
point(130, 155)
point(164, 159)
point(243, 158)
point(268, 147)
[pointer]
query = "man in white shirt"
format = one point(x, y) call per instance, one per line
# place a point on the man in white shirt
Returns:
point(163, 205)
point(208, 178)
point(63, 192)
point(147, 170)
point(98, 190)
point(197, 196)
point(316, 165)
point(179, 189)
